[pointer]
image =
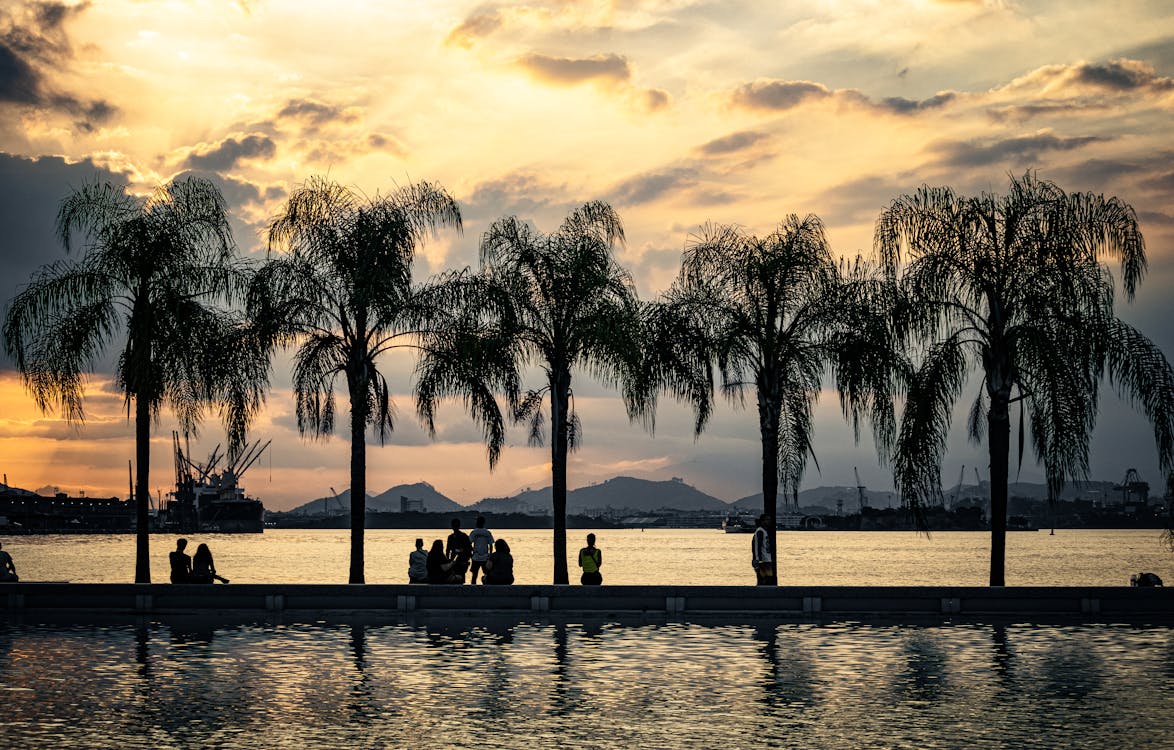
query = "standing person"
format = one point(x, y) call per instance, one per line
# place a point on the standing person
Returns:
point(590, 558)
point(760, 552)
point(458, 550)
point(499, 568)
point(482, 542)
point(7, 567)
point(181, 563)
point(418, 564)
point(203, 569)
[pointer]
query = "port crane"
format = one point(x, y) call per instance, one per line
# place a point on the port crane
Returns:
point(859, 491)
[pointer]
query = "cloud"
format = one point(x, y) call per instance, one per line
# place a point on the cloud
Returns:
point(732, 143)
point(1023, 149)
point(515, 194)
point(655, 100)
point(860, 200)
point(652, 186)
point(569, 71)
point(33, 43)
point(780, 95)
point(1122, 76)
point(315, 114)
point(481, 23)
point(224, 155)
point(32, 190)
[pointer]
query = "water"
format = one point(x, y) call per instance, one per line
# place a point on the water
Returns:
point(630, 556)
point(586, 684)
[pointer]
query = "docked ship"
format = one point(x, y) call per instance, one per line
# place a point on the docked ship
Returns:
point(208, 497)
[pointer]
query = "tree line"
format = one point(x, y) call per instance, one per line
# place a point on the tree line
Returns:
point(1013, 287)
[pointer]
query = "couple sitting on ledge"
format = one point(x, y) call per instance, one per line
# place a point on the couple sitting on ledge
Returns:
point(200, 569)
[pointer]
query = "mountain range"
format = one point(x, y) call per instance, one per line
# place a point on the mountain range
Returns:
point(645, 495)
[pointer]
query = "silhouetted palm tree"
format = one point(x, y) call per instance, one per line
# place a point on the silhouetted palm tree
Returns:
point(775, 313)
point(562, 303)
point(1013, 285)
point(150, 271)
point(342, 291)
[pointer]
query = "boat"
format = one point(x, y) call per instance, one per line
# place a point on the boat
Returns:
point(207, 500)
point(737, 524)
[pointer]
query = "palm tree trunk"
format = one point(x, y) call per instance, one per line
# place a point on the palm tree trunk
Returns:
point(768, 422)
point(142, 491)
point(358, 396)
point(560, 388)
point(999, 442)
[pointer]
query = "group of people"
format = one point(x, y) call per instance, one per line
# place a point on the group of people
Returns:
point(188, 569)
point(479, 554)
point(488, 560)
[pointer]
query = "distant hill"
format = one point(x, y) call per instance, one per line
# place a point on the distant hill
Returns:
point(620, 493)
point(826, 498)
point(387, 501)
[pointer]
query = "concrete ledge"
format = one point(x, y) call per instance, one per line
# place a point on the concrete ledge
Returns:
point(826, 602)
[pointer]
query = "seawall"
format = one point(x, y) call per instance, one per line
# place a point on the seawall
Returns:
point(83, 600)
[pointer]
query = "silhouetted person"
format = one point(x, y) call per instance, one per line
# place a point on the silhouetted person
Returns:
point(590, 559)
point(7, 567)
point(438, 566)
point(481, 541)
point(459, 549)
point(499, 568)
point(418, 564)
point(760, 551)
point(203, 569)
point(181, 563)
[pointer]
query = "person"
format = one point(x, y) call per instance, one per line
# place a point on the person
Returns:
point(438, 566)
point(458, 550)
point(481, 540)
point(203, 569)
point(590, 558)
point(181, 563)
point(7, 567)
point(760, 552)
point(499, 568)
point(418, 564)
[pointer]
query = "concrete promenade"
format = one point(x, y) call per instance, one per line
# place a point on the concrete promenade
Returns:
point(81, 600)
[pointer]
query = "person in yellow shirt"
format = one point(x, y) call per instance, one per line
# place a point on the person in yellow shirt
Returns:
point(590, 558)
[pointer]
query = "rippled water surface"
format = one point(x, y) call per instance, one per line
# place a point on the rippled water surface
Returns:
point(630, 556)
point(188, 684)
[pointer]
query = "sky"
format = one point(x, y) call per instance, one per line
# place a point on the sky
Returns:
point(677, 112)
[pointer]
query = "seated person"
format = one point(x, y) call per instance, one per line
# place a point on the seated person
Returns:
point(499, 568)
point(181, 563)
point(7, 567)
point(438, 567)
point(203, 569)
point(418, 564)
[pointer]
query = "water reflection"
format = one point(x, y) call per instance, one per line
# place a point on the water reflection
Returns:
point(563, 683)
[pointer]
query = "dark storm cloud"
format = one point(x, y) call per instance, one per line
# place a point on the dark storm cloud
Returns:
point(732, 143)
point(652, 186)
point(1023, 150)
point(779, 95)
point(32, 190)
point(32, 42)
point(568, 71)
point(225, 154)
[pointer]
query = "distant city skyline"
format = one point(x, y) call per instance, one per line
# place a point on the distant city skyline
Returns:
point(676, 112)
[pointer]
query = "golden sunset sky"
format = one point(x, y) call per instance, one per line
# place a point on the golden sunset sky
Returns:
point(678, 112)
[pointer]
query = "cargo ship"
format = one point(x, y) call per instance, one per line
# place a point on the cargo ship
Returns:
point(208, 497)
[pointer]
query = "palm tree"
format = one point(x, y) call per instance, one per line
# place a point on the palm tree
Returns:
point(150, 272)
point(342, 291)
point(1013, 285)
point(774, 313)
point(561, 302)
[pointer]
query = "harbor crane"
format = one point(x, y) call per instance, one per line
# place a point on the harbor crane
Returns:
point(958, 491)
